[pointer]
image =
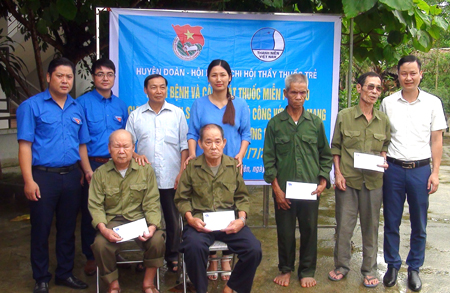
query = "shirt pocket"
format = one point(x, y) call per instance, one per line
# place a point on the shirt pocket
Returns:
point(112, 196)
point(48, 126)
point(351, 139)
point(95, 124)
point(378, 141)
point(310, 145)
point(137, 192)
point(282, 144)
point(170, 139)
point(201, 197)
point(228, 193)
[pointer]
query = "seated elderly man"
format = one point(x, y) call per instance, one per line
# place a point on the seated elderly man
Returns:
point(121, 191)
point(211, 183)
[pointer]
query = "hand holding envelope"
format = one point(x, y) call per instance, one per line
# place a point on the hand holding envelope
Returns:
point(369, 162)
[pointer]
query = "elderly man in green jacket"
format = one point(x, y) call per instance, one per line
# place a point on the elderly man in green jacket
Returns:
point(296, 150)
point(211, 183)
point(121, 192)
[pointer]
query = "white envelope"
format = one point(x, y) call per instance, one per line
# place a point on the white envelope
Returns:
point(218, 220)
point(300, 190)
point(131, 230)
point(368, 162)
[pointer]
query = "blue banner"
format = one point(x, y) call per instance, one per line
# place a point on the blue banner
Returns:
point(261, 49)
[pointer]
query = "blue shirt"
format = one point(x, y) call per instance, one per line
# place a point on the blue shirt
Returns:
point(55, 133)
point(104, 116)
point(204, 112)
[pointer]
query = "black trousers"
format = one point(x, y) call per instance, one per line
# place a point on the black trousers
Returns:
point(173, 226)
point(60, 197)
point(87, 231)
point(195, 247)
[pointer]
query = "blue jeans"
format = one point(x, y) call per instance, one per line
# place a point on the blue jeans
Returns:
point(410, 184)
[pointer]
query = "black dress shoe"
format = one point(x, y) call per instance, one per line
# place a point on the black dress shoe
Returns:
point(41, 287)
point(390, 278)
point(71, 282)
point(414, 282)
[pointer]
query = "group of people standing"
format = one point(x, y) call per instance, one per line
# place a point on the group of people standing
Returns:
point(152, 159)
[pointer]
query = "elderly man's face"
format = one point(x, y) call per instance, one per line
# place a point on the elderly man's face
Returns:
point(212, 143)
point(296, 95)
point(121, 148)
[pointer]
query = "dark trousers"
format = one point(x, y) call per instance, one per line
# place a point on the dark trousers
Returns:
point(410, 184)
point(195, 247)
point(172, 219)
point(87, 231)
point(60, 197)
point(306, 212)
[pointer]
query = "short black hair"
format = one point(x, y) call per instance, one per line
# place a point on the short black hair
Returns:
point(362, 77)
point(152, 76)
point(211, 125)
point(102, 62)
point(62, 61)
point(409, 59)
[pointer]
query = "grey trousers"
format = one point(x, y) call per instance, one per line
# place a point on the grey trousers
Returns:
point(105, 252)
point(349, 204)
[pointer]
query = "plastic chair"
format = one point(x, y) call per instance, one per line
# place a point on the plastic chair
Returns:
point(122, 251)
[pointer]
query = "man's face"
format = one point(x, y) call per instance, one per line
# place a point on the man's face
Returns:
point(212, 143)
point(409, 76)
point(121, 148)
point(156, 90)
point(104, 78)
point(61, 80)
point(370, 91)
point(296, 95)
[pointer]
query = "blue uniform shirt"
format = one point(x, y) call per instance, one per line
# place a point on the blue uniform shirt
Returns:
point(55, 133)
point(104, 116)
point(204, 112)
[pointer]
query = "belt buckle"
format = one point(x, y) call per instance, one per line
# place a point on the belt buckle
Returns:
point(63, 173)
point(410, 165)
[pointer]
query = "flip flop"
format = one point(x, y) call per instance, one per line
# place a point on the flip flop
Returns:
point(338, 273)
point(368, 279)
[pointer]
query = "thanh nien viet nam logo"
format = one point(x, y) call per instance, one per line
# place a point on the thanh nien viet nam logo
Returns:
point(267, 44)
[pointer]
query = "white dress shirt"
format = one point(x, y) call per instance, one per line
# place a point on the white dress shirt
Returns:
point(161, 137)
point(412, 124)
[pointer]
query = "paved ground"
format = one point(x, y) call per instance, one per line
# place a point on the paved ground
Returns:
point(16, 276)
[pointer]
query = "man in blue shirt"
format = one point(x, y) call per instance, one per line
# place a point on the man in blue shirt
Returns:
point(52, 135)
point(105, 113)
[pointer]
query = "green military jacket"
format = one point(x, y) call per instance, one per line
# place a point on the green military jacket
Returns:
point(353, 133)
point(296, 152)
point(134, 196)
point(200, 191)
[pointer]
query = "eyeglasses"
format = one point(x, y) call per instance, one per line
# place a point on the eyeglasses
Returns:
point(370, 87)
point(102, 74)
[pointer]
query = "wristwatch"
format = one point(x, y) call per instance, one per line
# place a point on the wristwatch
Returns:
point(243, 219)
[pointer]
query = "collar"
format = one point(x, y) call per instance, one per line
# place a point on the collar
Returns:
point(405, 101)
point(358, 112)
point(96, 94)
point(225, 162)
point(111, 166)
point(164, 107)
point(47, 97)
point(305, 115)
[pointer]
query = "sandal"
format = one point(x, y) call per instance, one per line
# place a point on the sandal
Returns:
point(152, 287)
point(213, 276)
point(337, 273)
point(172, 266)
point(368, 279)
point(225, 276)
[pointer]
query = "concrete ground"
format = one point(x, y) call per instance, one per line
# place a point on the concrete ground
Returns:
point(16, 275)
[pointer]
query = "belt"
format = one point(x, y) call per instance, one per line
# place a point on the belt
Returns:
point(61, 170)
point(409, 164)
point(99, 159)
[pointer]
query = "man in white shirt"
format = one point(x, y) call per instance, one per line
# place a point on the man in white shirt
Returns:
point(160, 130)
point(417, 121)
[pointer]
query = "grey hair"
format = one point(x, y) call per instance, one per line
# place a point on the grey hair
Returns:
point(295, 78)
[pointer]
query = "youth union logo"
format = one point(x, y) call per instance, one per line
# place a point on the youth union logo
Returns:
point(267, 44)
point(189, 42)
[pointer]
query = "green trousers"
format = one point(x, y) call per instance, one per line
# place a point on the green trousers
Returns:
point(105, 252)
point(306, 213)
